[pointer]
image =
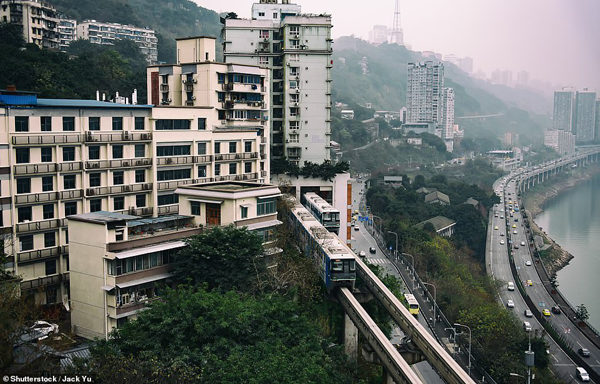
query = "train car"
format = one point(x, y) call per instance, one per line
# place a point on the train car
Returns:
point(322, 211)
point(335, 263)
point(413, 304)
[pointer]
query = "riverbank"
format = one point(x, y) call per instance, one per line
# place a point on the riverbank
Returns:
point(553, 255)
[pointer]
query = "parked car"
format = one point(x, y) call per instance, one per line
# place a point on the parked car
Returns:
point(522, 243)
point(40, 330)
point(362, 254)
point(502, 241)
point(556, 309)
point(584, 352)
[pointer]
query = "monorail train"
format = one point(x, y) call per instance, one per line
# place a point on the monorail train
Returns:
point(413, 304)
point(335, 263)
point(322, 211)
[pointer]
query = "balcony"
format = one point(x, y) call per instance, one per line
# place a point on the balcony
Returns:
point(143, 211)
point(44, 281)
point(155, 238)
point(41, 225)
point(168, 209)
point(263, 173)
point(120, 163)
point(40, 254)
point(32, 169)
point(70, 166)
point(167, 185)
point(91, 137)
point(202, 159)
point(45, 139)
point(227, 86)
point(118, 189)
point(174, 160)
point(36, 198)
point(236, 156)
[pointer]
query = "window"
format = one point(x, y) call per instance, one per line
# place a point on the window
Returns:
point(274, 15)
point(140, 150)
point(95, 205)
point(50, 267)
point(26, 242)
point(261, 14)
point(117, 123)
point(49, 241)
point(140, 201)
point(21, 123)
point(94, 152)
point(47, 183)
point(46, 123)
point(95, 179)
point(232, 147)
point(195, 206)
point(173, 150)
point(118, 177)
point(232, 168)
point(263, 60)
point(94, 123)
point(68, 123)
point(140, 123)
point(217, 147)
point(202, 148)
point(173, 124)
point(244, 212)
point(24, 185)
point(247, 146)
point(117, 151)
point(266, 206)
point(264, 34)
point(201, 123)
point(24, 214)
point(70, 208)
point(217, 169)
point(140, 176)
point(174, 174)
point(22, 155)
point(247, 167)
point(118, 203)
point(48, 210)
point(294, 124)
point(221, 78)
point(69, 181)
point(171, 198)
point(46, 154)
point(202, 171)
point(68, 153)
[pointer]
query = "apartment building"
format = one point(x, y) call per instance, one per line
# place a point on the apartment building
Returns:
point(297, 50)
point(563, 110)
point(560, 140)
point(67, 32)
point(425, 93)
point(37, 18)
point(106, 34)
point(584, 122)
point(120, 262)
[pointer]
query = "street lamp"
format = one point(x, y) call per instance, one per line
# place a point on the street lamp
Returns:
point(453, 338)
point(466, 326)
point(516, 375)
point(434, 300)
point(412, 258)
point(395, 249)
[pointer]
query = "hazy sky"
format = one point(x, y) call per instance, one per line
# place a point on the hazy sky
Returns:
point(554, 40)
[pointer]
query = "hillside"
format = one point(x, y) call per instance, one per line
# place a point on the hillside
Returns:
point(170, 18)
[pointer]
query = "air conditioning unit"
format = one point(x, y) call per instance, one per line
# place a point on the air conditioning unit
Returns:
point(132, 210)
point(147, 186)
point(90, 192)
point(193, 97)
point(127, 188)
point(169, 160)
point(145, 136)
point(125, 164)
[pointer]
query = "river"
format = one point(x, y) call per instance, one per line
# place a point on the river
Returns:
point(572, 219)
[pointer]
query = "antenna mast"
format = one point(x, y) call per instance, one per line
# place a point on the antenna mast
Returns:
point(397, 35)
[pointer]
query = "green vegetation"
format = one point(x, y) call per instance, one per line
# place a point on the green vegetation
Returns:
point(78, 74)
point(326, 170)
point(582, 312)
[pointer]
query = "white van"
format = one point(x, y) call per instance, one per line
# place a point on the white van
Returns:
point(582, 374)
point(511, 286)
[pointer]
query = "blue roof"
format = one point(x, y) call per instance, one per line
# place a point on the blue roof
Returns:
point(76, 103)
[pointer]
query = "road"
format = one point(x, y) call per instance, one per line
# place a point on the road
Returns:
point(512, 233)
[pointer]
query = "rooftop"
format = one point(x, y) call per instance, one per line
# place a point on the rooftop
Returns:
point(101, 217)
point(156, 220)
point(437, 195)
point(227, 186)
point(438, 222)
point(13, 97)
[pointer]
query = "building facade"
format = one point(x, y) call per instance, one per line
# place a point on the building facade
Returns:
point(561, 141)
point(597, 138)
point(584, 123)
point(38, 19)
point(297, 50)
point(106, 34)
point(563, 110)
point(424, 96)
point(67, 32)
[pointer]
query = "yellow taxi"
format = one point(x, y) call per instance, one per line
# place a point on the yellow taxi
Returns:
point(546, 312)
point(529, 283)
point(514, 225)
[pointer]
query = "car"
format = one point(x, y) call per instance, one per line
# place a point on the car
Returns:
point(496, 227)
point(502, 234)
point(582, 374)
point(527, 326)
point(510, 304)
point(556, 309)
point(584, 352)
point(515, 232)
point(528, 313)
point(522, 243)
point(356, 227)
point(502, 241)
point(502, 217)
point(514, 225)
point(546, 312)
point(362, 254)
point(40, 330)
point(516, 220)
point(529, 283)
point(372, 250)
point(528, 263)
point(510, 286)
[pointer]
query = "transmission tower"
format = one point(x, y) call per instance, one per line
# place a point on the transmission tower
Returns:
point(397, 36)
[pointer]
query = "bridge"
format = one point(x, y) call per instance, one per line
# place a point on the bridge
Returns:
point(542, 172)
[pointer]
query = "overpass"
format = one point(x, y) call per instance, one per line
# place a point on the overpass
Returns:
point(540, 173)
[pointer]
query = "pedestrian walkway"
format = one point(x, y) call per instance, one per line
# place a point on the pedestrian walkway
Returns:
point(378, 261)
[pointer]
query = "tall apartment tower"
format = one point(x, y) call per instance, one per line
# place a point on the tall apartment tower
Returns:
point(597, 138)
point(585, 116)
point(424, 96)
point(37, 18)
point(297, 50)
point(563, 110)
point(448, 114)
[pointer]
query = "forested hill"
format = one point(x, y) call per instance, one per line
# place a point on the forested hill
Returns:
point(170, 18)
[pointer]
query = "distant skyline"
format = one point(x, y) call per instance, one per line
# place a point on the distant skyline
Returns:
point(554, 40)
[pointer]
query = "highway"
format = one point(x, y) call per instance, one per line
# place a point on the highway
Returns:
point(512, 233)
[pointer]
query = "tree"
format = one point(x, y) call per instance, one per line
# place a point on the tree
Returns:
point(419, 181)
point(581, 312)
point(223, 257)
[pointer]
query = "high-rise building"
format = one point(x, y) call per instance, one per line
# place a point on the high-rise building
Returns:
point(424, 96)
point(522, 78)
point(106, 34)
point(297, 50)
point(448, 114)
point(561, 141)
point(38, 19)
point(379, 34)
point(563, 110)
point(597, 138)
point(67, 32)
point(584, 123)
